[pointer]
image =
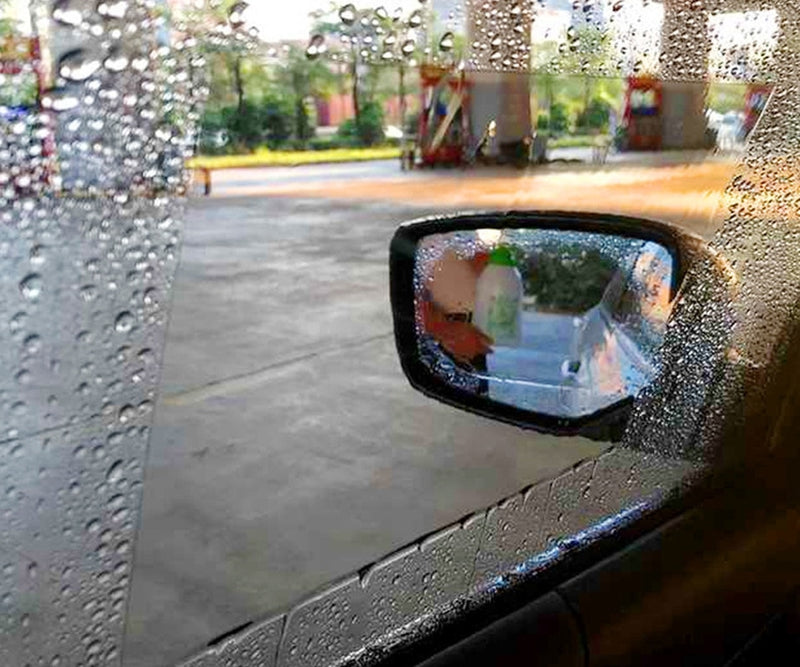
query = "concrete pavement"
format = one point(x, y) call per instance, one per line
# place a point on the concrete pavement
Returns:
point(230, 180)
point(288, 448)
point(685, 188)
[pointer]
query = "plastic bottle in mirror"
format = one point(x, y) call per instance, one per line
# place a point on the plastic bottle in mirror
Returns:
point(498, 299)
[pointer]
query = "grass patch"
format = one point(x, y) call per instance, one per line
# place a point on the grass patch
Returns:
point(267, 158)
point(574, 141)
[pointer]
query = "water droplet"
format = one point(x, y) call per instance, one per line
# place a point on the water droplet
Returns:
point(37, 255)
point(236, 14)
point(31, 286)
point(113, 10)
point(88, 293)
point(17, 323)
point(447, 42)
point(66, 15)
point(124, 322)
point(115, 472)
point(347, 14)
point(316, 47)
point(116, 62)
point(126, 414)
point(60, 99)
point(116, 501)
point(32, 344)
point(78, 65)
point(120, 515)
point(415, 20)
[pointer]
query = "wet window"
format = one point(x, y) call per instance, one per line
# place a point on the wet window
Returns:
point(204, 418)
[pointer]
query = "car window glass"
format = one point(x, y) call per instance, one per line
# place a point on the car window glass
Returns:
point(204, 418)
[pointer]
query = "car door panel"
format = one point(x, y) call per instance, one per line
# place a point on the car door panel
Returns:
point(544, 632)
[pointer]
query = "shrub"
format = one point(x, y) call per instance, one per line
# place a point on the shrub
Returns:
point(369, 129)
point(304, 127)
point(212, 133)
point(244, 125)
point(595, 116)
point(269, 122)
point(559, 119)
point(543, 122)
point(556, 122)
point(330, 143)
point(276, 121)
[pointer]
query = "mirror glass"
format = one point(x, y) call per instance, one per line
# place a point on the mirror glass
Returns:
point(561, 323)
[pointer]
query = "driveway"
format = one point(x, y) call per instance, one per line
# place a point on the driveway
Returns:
point(288, 448)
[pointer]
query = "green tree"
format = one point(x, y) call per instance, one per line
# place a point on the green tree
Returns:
point(545, 65)
point(595, 116)
point(227, 59)
point(302, 79)
point(247, 99)
point(6, 23)
point(368, 130)
point(363, 35)
point(375, 45)
point(276, 120)
point(575, 67)
point(332, 31)
point(589, 54)
point(244, 123)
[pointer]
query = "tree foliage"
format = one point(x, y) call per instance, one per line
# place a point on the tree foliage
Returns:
point(7, 24)
point(571, 82)
point(367, 130)
point(300, 79)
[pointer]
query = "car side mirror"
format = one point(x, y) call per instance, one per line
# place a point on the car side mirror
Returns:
point(549, 321)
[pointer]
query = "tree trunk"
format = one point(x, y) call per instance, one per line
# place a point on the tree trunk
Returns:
point(356, 105)
point(587, 95)
point(238, 83)
point(300, 115)
point(402, 92)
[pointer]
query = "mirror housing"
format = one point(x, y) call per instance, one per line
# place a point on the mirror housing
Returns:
point(555, 268)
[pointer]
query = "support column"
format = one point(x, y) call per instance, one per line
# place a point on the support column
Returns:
point(499, 36)
point(685, 49)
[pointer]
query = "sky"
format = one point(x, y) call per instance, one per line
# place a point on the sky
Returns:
point(288, 19)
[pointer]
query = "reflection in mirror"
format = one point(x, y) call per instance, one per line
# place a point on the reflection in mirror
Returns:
point(562, 323)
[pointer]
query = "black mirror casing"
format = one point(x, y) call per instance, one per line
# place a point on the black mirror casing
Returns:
point(605, 424)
